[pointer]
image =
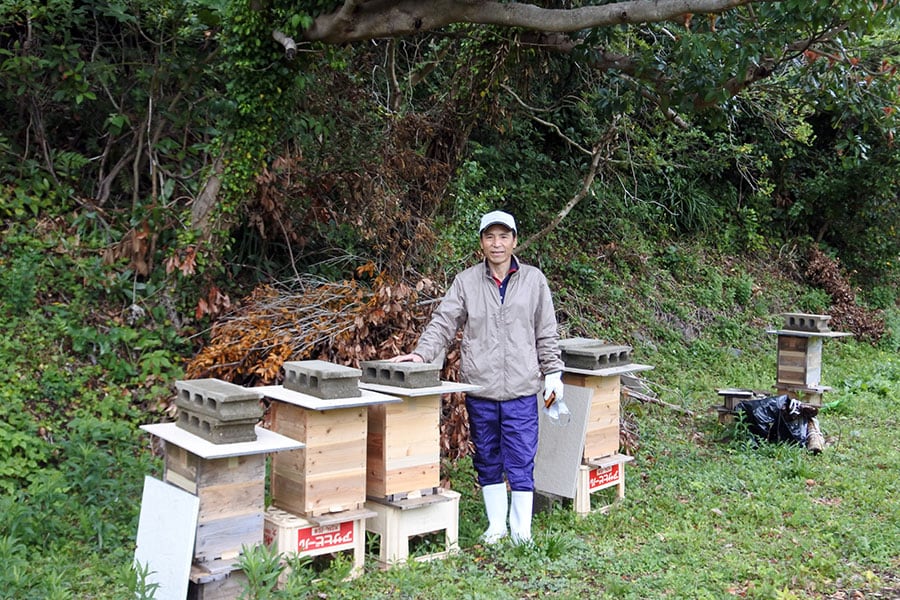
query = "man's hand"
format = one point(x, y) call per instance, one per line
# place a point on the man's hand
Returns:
point(407, 358)
point(553, 385)
point(554, 406)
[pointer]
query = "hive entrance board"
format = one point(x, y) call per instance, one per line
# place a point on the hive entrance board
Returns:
point(560, 448)
point(165, 537)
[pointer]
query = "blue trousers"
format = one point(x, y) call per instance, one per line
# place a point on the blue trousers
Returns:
point(505, 435)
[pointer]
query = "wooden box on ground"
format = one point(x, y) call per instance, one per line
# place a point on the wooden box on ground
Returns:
point(403, 453)
point(327, 475)
point(315, 536)
point(396, 522)
point(599, 475)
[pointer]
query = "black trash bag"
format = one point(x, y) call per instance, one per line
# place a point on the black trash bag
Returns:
point(774, 419)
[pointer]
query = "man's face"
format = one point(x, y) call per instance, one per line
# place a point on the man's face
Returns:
point(498, 243)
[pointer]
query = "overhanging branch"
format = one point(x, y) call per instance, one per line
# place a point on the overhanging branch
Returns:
point(357, 20)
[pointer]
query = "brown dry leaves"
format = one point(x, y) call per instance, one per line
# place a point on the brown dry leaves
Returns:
point(344, 323)
point(846, 315)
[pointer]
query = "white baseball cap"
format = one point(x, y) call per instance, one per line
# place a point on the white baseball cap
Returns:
point(497, 217)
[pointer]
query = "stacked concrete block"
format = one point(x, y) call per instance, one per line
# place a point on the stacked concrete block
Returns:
point(218, 411)
point(322, 379)
point(578, 342)
point(594, 356)
point(806, 322)
point(401, 374)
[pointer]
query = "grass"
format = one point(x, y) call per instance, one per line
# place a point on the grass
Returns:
point(707, 513)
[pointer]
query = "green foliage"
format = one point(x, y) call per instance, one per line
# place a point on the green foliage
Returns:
point(137, 580)
point(814, 301)
point(262, 566)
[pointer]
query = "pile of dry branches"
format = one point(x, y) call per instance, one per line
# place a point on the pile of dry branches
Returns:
point(846, 314)
point(345, 322)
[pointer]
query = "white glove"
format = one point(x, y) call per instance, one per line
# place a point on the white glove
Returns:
point(553, 385)
point(556, 410)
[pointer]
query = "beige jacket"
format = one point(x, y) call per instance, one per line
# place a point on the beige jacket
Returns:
point(506, 348)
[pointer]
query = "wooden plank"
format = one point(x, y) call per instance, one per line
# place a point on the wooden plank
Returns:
point(792, 359)
point(602, 431)
point(315, 497)
point(235, 469)
point(403, 481)
point(181, 468)
point(231, 500)
point(223, 538)
point(266, 442)
point(601, 442)
point(790, 342)
point(224, 586)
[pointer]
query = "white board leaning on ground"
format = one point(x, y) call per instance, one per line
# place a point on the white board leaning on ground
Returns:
point(165, 537)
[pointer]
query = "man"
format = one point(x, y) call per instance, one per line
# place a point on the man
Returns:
point(509, 343)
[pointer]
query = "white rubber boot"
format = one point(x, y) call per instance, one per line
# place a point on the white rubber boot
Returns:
point(496, 505)
point(520, 517)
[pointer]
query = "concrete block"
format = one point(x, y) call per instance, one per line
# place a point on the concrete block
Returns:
point(218, 400)
point(578, 342)
point(594, 357)
point(322, 379)
point(218, 432)
point(806, 322)
point(401, 374)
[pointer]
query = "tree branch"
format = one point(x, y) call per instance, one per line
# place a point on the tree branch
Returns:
point(358, 20)
point(586, 183)
point(290, 46)
point(553, 126)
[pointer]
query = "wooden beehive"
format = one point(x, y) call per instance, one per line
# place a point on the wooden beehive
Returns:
point(799, 360)
point(403, 452)
point(602, 434)
point(329, 474)
point(232, 500)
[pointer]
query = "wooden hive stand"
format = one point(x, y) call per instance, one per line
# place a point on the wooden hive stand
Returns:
point(338, 533)
point(600, 475)
point(397, 522)
point(403, 471)
point(229, 481)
